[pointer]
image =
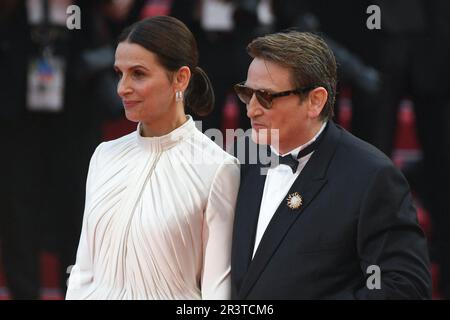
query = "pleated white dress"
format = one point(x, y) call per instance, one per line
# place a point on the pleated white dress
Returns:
point(158, 219)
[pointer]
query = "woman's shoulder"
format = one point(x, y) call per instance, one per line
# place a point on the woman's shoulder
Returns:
point(121, 141)
point(110, 148)
point(211, 152)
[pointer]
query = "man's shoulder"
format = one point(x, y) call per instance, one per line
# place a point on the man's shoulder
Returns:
point(356, 151)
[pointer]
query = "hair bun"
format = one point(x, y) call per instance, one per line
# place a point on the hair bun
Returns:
point(200, 93)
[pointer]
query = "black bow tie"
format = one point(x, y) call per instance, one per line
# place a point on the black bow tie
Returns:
point(293, 162)
point(290, 161)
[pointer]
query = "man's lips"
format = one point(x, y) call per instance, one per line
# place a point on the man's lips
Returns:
point(258, 126)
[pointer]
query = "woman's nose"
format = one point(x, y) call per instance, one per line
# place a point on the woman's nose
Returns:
point(123, 87)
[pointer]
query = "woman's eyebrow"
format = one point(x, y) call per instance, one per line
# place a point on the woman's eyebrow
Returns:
point(136, 66)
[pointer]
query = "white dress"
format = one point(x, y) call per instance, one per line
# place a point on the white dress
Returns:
point(158, 219)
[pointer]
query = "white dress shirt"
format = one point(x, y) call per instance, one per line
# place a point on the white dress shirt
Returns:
point(157, 221)
point(278, 182)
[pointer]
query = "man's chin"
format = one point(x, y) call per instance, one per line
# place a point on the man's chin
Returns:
point(261, 136)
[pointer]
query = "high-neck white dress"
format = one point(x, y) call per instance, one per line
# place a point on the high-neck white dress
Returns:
point(158, 219)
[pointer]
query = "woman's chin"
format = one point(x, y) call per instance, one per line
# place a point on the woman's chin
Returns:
point(131, 116)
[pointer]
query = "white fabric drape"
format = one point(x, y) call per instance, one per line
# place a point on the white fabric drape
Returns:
point(158, 219)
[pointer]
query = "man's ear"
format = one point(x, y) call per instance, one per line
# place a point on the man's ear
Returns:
point(181, 78)
point(317, 99)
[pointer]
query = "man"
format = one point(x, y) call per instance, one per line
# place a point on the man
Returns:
point(334, 219)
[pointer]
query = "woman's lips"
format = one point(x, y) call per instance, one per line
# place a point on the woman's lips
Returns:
point(129, 104)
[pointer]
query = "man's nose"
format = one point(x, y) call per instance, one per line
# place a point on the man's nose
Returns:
point(254, 108)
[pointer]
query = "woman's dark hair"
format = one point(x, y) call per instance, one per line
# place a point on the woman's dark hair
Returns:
point(174, 46)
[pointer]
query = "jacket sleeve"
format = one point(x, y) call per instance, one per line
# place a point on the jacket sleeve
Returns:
point(390, 238)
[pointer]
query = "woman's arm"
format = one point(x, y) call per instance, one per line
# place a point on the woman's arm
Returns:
point(217, 231)
point(81, 273)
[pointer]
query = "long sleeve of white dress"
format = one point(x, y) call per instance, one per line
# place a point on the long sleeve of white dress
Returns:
point(81, 274)
point(158, 219)
point(217, 234)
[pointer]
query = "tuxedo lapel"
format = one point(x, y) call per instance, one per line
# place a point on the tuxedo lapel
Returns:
point(309, 183)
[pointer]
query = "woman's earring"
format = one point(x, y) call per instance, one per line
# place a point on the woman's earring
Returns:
point(179, 96)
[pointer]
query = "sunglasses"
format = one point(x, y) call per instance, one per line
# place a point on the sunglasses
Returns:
point(265, 98)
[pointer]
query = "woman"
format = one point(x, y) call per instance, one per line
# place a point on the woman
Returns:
point(160, 201)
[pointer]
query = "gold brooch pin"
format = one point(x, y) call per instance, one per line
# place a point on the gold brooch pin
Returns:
point(294, 200)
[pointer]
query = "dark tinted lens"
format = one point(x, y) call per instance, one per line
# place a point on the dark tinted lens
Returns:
point(244, 93)
point(264, 98)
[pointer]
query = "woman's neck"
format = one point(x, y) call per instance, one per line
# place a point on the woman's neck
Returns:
point(162, 127)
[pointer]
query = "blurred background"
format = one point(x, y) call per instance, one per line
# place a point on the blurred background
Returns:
point(58, 101)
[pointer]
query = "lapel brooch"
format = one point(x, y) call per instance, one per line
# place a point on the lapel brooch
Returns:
point(294, 201)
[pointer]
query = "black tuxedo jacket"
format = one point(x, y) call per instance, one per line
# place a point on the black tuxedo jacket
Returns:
point(356, 212)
